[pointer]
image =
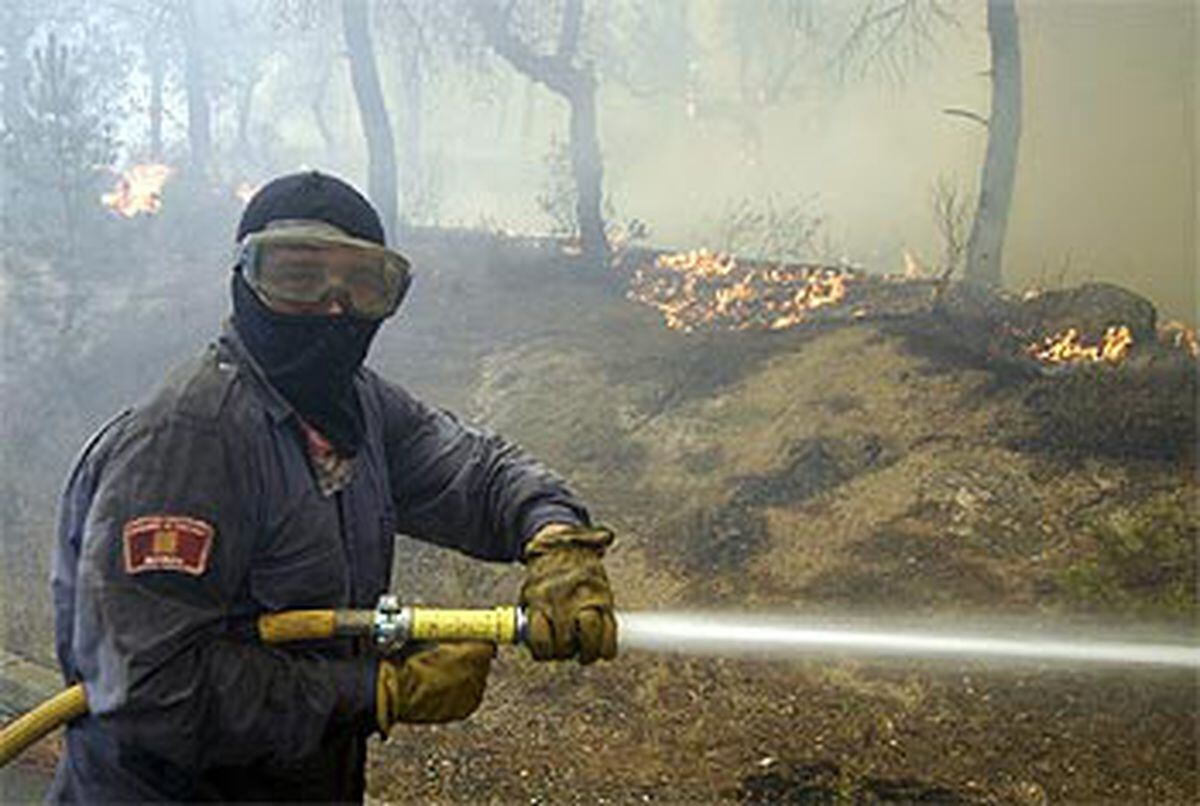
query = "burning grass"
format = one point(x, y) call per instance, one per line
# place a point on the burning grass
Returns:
point(1069, 348)
point(702, 290)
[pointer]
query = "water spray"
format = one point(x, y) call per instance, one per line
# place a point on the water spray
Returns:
point(723, 635)
point(391, 624)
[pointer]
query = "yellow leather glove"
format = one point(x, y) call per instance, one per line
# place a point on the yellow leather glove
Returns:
point(566, 595)
point(441, 683)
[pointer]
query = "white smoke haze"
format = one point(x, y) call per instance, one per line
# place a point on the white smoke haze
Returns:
point(1105, 186)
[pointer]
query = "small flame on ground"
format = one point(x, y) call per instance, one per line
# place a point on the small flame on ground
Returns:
point(914, 269)
point(1067, 347)
point(1181, 337)
point(138, 190)
point(703, 289)
point(245, 191)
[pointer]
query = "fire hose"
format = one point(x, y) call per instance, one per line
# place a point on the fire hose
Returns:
point(390, 624)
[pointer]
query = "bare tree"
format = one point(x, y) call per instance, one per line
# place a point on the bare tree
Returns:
point(17, 23)
point(381, 148)
point(951, 212)
point(889, 34)
point(424, 38)
point(156, 67)
point(889, 37)
point(565, 74)
point(986, 244)
point(196, 83)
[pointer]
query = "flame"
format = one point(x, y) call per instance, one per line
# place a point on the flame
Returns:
point(245, 191)
point(1181, 337)
point(914, 269)
point(138, 190)
point(1067, 348)
point(702, 289)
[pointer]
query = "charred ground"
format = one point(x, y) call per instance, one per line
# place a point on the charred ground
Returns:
point(916, 464)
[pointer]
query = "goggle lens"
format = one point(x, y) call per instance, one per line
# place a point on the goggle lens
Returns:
point(309, 270)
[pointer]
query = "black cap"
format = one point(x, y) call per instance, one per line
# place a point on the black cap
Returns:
point(315, 196)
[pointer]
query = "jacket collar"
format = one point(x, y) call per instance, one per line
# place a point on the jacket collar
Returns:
point(231, 343)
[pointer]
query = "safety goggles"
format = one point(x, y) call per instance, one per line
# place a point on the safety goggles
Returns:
point(310, 263)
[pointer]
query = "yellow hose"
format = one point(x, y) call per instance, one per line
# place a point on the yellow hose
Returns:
point(498, 624)
point(296, 625)
point(28, 728)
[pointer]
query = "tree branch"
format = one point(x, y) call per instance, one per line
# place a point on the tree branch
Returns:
point(555, 72)
point(968, 114)
point(568, 38)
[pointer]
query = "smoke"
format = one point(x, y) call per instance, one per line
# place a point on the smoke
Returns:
point(1107, 181)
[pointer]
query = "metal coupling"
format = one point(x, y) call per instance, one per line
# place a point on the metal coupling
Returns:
point(393, 622)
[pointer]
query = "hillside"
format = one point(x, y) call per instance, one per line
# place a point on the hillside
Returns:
point(855, 466)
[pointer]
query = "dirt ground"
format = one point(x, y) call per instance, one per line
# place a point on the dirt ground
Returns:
point(856, 469)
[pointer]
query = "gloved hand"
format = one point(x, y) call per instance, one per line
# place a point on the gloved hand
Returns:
point(440, 683)
point(566, 595)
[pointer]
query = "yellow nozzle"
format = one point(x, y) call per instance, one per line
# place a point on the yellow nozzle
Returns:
point(500, 625)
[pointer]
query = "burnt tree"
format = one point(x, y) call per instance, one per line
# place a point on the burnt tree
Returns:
point(574, 81)
point(986, 242)
point(381, 149)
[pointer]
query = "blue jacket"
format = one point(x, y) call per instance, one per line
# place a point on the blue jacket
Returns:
point(189, 515)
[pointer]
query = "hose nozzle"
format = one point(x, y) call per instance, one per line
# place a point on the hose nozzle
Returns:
point(391, 624)
point(396, 623)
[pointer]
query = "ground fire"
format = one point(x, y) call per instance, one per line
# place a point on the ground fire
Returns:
point(1069, 347)
point(244, 191)
point(703, 290)
point(138, 190)
point(1181, 337)
point(700, 289)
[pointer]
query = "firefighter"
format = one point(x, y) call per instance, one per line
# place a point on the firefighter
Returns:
point(270, 473)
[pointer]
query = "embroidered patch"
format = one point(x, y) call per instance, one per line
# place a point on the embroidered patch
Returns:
point(167, 543)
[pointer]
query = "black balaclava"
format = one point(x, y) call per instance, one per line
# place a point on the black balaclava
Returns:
point(310, 360)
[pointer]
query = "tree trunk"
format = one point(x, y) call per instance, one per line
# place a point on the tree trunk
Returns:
point(381, 148)
point(199, 117)
point(317, 104)
point(245, 108)
point(587, 168)
point(14, 33)
point(578, 86)
point(154, 64)
point(410, 154)
point(986, 244)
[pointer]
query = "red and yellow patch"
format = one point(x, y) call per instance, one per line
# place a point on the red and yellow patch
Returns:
point(167, 543)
